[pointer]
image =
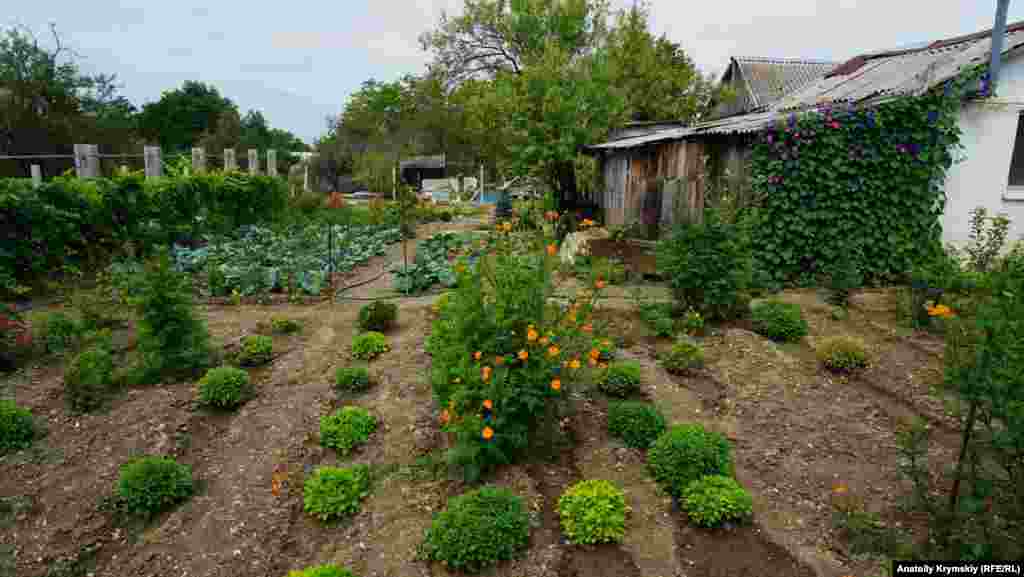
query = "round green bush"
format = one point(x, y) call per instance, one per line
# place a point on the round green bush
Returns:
point(17, 429)
point(369, 345)
point(88, 379)
point(637, 423)
point(256, 350)
point(152, 484)
point(224, 388)
point(685, 453)
point(322, 571)
point(345, 429)
point(593, 511)
point(285, 326)
point(478, 529)
point(715, 499)
point(59, 331)
point(779, 321)
point(335, 492)
point(378, 316)
point(842, 354)
point(621, 379)
point(352, 379)
point(685, 354)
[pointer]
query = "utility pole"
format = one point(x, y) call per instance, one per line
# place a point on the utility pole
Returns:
point(998, 41)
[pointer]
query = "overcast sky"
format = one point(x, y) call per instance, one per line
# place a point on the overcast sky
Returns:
point(298, 61)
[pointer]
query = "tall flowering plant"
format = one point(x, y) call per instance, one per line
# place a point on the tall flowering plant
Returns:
point(505, 356)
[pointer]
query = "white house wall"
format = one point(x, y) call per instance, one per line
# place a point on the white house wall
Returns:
point(980, 178)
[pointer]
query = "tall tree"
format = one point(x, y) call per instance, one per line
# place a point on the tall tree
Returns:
point(180, 118)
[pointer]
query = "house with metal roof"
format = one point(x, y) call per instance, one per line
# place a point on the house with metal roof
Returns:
point(990, 172)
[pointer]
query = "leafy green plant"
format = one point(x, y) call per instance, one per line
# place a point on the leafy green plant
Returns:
point(285, 326)
point(172, 340)
point(478, 529)
point(637, 423)
point(716, 499)
point(378, 316)
point(225, 388)
point(709, 267)
point(605, 349)
point(844, 278)
point(685, 354)
point(149, 485)
point(88, 379)
point(321, 571)
point(620, 379)
point(369, 345)
point(593, 511)
point(256, 350)
point(432, 265)
point(779, 321)
point(17, 429)
point(57, 331)
point(346, 428)
point(842, 353)
point(352, 379)
point(334, 492)
point(987, 239)
point(658, 317)
point(693, 322)
point(685, 453)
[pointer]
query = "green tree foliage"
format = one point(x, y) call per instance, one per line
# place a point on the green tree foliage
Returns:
point(180, 118)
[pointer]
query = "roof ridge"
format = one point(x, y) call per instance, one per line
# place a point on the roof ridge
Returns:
point(784, 60)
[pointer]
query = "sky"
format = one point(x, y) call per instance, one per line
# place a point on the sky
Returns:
point(297, 63)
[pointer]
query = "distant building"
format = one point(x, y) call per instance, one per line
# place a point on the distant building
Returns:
point(415, 170)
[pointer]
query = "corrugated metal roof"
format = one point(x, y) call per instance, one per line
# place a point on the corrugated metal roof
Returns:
point(863, 80)
point(769, 79)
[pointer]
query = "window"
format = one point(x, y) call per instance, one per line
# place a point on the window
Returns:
point(1016, 179)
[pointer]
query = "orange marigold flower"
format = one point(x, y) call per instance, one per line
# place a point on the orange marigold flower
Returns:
point(488, 404)
point(588, 328)
point(574, 364)
point(499, 360)
point(599, 284)
point(553, 351)
point(486, 374)
point(552, 250)
point(544, 340)
point(487, 433)
point(595, 354)
point(941, 311)
point(531, 335)
point(477, 355)
point(556, 384)
point(523, 355)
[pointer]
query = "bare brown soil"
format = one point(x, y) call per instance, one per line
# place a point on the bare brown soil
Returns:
point(797, 430)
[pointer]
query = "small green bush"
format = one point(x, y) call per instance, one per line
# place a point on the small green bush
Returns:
point(842, 354)
point(57, 331)
point(686, 354)
point(593, 511)
point(345, 429)
point(779, 321)
point(150, 485)
point(685, 453)
point(715, 499)
point(378, 316)
point(352, 379)
point(335, 492)
point(621, 379)
point(88, 379)
point(285, 326)
point(369, 345)
point(322, 571)
point(17, 429)
point(225, 388)
point(478, 529)
point(637, 423)
point(256, 350)
point(658, 316)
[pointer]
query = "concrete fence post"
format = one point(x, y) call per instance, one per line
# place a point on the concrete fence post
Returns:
point(271, 162)
point(229, 160)
point(82, 160)
point(254, 161)
point(154, 168)
point(37, 175)
point(198, 159)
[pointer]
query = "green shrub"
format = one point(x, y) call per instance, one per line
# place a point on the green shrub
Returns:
point(658, 316)
point(709, 267)
point(685, 453)
point(17, 428)
point(150, 485)
point(592, 512)
point(637, 423)
point(621, 379)
point(716, 499)
point(57, 331)
point(88, 379)
point(686, 354)
point(352, 379)
point(346, 428)
point(369, 345)
point(378, 316)
point(844, 278)
point(322, 571)
point(225, 388)
point(478, 529)
point(172, 340)
point(842, 354)
point(256, 350)
point(334, 492)
point(285, 326)
point(779, 321)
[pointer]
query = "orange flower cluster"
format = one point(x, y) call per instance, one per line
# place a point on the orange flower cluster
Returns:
point(587, 222)
point(556, 385)
point(941, 311)
point(552, 249)
point(485, 374)
point(553, 351)
point(523, 355)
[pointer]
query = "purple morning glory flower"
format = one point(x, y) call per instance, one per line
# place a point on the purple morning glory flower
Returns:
point(771, 138)
point(915, 148)
point(792, 120)
point(933, 116)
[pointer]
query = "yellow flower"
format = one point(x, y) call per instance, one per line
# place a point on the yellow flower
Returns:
point(840, 489)
point(523, 355)
point(574, 364)
point(553, 351)
point(556, 384)
point(941, 311)
point(531, 335)
point(552, 250)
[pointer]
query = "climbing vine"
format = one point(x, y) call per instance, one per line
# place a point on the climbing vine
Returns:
point(868, 182)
